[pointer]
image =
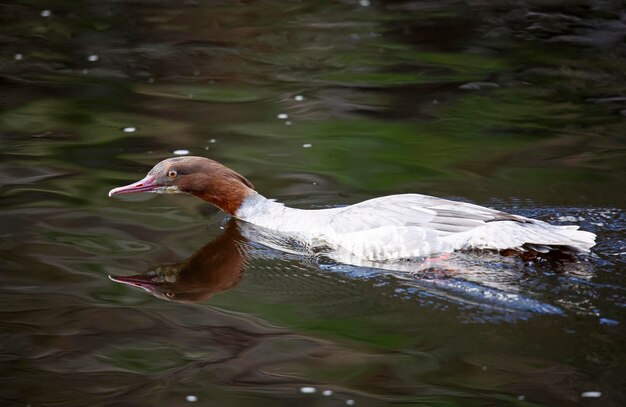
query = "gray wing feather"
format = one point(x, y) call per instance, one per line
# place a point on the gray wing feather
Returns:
point(425, 211)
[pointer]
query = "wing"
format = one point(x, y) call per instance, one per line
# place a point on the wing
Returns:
point(410, 210)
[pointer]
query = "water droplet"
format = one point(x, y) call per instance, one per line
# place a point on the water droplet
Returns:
point(327, 392)
point(364, 3)
point(191, 398)
point(213, 141)
point(521, 397)
point(18, 57)
point(181, 152)
point(288, 123)
point(92, 58)
point(129, 129)
point(299, 98)
point(283, 116)
point(308, 390)
point(591, 394)
point(307, 145)
point(350, 402)
point(46, 13)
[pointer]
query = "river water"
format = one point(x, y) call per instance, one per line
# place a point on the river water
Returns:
point(519, 106)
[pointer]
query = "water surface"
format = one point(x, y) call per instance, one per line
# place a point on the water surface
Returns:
point(519, 106)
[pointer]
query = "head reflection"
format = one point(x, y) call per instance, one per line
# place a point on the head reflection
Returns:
point(216, 267)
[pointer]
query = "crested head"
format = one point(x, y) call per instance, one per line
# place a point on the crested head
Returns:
point(199, 176)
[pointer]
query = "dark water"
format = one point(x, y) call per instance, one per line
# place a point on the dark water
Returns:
point(517, 105)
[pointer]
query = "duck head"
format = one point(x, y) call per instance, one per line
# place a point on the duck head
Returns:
point(199, 176)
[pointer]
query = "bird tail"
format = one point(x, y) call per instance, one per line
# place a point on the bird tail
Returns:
point(579, 240)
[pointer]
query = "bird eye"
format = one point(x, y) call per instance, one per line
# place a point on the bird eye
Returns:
point(172, 174)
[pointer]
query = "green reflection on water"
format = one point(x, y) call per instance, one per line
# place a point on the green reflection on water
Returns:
point(203, 93)
point(383, 112)
point(144, 358)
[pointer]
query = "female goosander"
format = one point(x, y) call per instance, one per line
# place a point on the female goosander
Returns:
point(388, 228)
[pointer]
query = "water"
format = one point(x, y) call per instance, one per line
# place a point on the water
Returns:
point(518, 107)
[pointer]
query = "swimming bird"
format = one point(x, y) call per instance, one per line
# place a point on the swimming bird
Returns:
point(388, 228)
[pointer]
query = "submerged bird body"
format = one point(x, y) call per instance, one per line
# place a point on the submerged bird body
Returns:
point(381, 229)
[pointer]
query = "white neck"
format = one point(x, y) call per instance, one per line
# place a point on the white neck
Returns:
point(267, 213)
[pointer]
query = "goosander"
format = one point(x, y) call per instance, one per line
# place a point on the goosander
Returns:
point(389, 228)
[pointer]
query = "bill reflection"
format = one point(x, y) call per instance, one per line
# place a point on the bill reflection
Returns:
point(217, 266)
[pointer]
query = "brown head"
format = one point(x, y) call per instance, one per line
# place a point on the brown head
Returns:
point(199, 176)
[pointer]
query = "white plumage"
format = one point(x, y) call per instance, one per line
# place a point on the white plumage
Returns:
point(410, 225)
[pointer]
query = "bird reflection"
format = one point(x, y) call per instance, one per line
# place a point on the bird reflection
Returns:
point(216, 267)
